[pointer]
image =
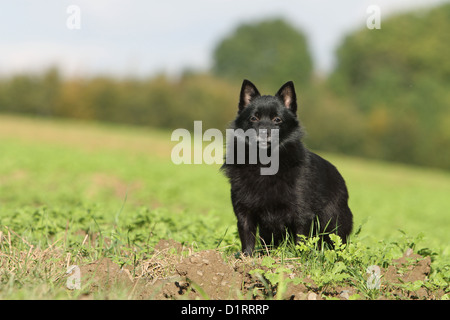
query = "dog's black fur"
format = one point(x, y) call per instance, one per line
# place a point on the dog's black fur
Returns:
point(306, 194)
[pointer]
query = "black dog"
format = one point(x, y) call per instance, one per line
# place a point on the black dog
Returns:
point(305, 196)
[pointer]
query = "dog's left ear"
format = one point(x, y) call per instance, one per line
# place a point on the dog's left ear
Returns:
point(288, 96)
point(248, 93)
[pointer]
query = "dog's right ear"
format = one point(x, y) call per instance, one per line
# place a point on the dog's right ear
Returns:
point(248, 93)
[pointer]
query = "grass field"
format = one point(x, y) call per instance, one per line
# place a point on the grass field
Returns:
point(73, 193)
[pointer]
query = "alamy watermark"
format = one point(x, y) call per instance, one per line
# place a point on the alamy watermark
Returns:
point(374, 19)
point(249, 146)
point(74, 280)
point(374, 280)
point(73, 21)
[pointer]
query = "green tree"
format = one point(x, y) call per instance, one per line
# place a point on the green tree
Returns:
point(32, 94)
point(269, 53)
point(399, 76)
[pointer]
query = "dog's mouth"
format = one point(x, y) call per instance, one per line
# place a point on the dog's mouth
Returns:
point(264, 139)
point(264, 142)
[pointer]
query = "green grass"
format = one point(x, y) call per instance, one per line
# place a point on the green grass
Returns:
point(127, 196)
point(387, 197)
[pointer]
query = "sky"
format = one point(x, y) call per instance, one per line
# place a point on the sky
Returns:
point(146, 37)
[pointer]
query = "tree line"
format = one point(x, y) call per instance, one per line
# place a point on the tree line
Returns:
point(388, 96)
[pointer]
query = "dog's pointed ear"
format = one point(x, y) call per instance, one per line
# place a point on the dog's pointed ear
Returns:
point(288, 96)
point(248, 93)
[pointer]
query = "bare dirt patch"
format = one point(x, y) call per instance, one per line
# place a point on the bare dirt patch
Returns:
point(102, 182)
point(176, 272)
point(411, 268)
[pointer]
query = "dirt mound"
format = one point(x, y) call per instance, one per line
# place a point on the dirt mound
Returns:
point(203, 275)
point(411, 268)
point(176, 272)
point(102, 276)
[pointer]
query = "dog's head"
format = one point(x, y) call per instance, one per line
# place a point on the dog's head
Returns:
point(266, 113)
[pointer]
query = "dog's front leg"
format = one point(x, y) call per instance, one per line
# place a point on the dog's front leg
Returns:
point(247, 234)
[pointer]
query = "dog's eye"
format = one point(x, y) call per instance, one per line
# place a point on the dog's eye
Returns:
point(253, 119)
point(277, 120)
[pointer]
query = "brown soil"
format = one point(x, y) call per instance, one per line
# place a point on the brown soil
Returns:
point(176, 272)
point(409, 268)
point(101, 182)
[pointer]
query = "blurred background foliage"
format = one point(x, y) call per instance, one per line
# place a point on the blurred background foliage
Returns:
point(388, 96)
point(269, 52)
